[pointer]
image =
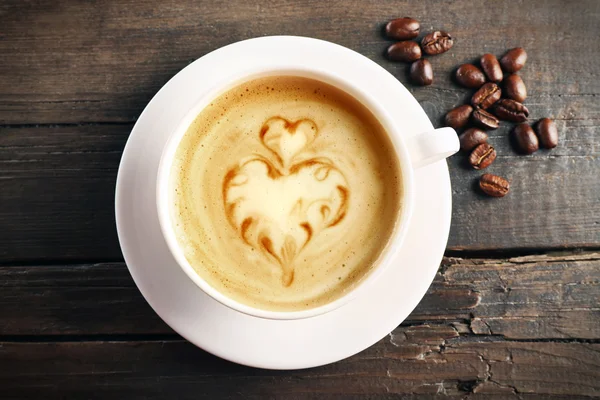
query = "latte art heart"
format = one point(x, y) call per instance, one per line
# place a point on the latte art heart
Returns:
point(285, 193)
point(278, 208)
point(286, 139)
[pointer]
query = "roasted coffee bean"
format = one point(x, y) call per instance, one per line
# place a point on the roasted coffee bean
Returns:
point(421, 72)
point(470, 76)
point(491, 67)
point(408, 51)
point(514, 88)
point(494, 185)
point(484, 119)
point(547, 133)
point(482, 156)
point(472, 138)
point(514, 60)
point(402, 28)
point(510, 110)
point(486, 96)
point(527, 142)
point(437, 42)
point(459, 116)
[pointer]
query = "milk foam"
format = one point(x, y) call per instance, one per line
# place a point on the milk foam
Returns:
point(285, 191)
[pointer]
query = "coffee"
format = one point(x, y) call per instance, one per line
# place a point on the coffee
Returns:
point(437, 42)
point(491, 67)
point(407, 51)
point(285, 193)
point(470, 76)
point(486, 96)
point(482, 156)
point(421, 72)
point(514, 88)
point(526, 140)
point(459, 117)
point(494, 185)
point(472, 138)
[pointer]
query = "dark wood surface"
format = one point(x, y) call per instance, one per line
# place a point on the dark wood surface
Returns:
point(513, 312)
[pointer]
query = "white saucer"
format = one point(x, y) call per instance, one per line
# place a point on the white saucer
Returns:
point(235, 336)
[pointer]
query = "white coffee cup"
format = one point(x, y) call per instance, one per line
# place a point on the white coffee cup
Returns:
point(413, 152)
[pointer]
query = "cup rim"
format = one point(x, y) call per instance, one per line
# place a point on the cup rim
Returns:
point(395, 241)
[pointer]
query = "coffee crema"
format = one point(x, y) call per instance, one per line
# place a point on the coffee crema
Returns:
point(285, 192)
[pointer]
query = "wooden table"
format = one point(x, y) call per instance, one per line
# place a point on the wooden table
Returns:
point(513, 312)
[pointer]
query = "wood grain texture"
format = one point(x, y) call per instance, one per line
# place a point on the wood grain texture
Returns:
point(426, 360)
point(67, 176)
point(536, 297)
point(66, 62)
point(95, 299)
point(58, 187)
point(75, 75)
point(522, 297)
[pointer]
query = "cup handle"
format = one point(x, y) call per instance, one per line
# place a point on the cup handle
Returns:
point(429, 147)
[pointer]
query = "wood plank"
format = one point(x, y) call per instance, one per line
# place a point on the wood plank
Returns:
point(552, 201)
point(92, 299)
point(525, 297)
point(76, 62)
point(537, 297)
point(67, 176)
point(57, 196)
point(426, 360)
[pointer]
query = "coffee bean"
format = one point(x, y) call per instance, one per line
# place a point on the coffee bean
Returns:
point(421, 72)
point(510, 110)
point(470, 76)
point(547, 133)
point(494, 185)
point(437, 42)
point(491, 67)
point(514, 60)
point(514, 88)
point(472, 138)
point(408, 51)
point(527, 142)
point(487, 95)
point(459, 116)
point(402, 28)
point(484, 119)
point(482, 156)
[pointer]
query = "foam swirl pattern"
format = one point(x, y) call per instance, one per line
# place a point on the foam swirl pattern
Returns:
point(285, 192)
